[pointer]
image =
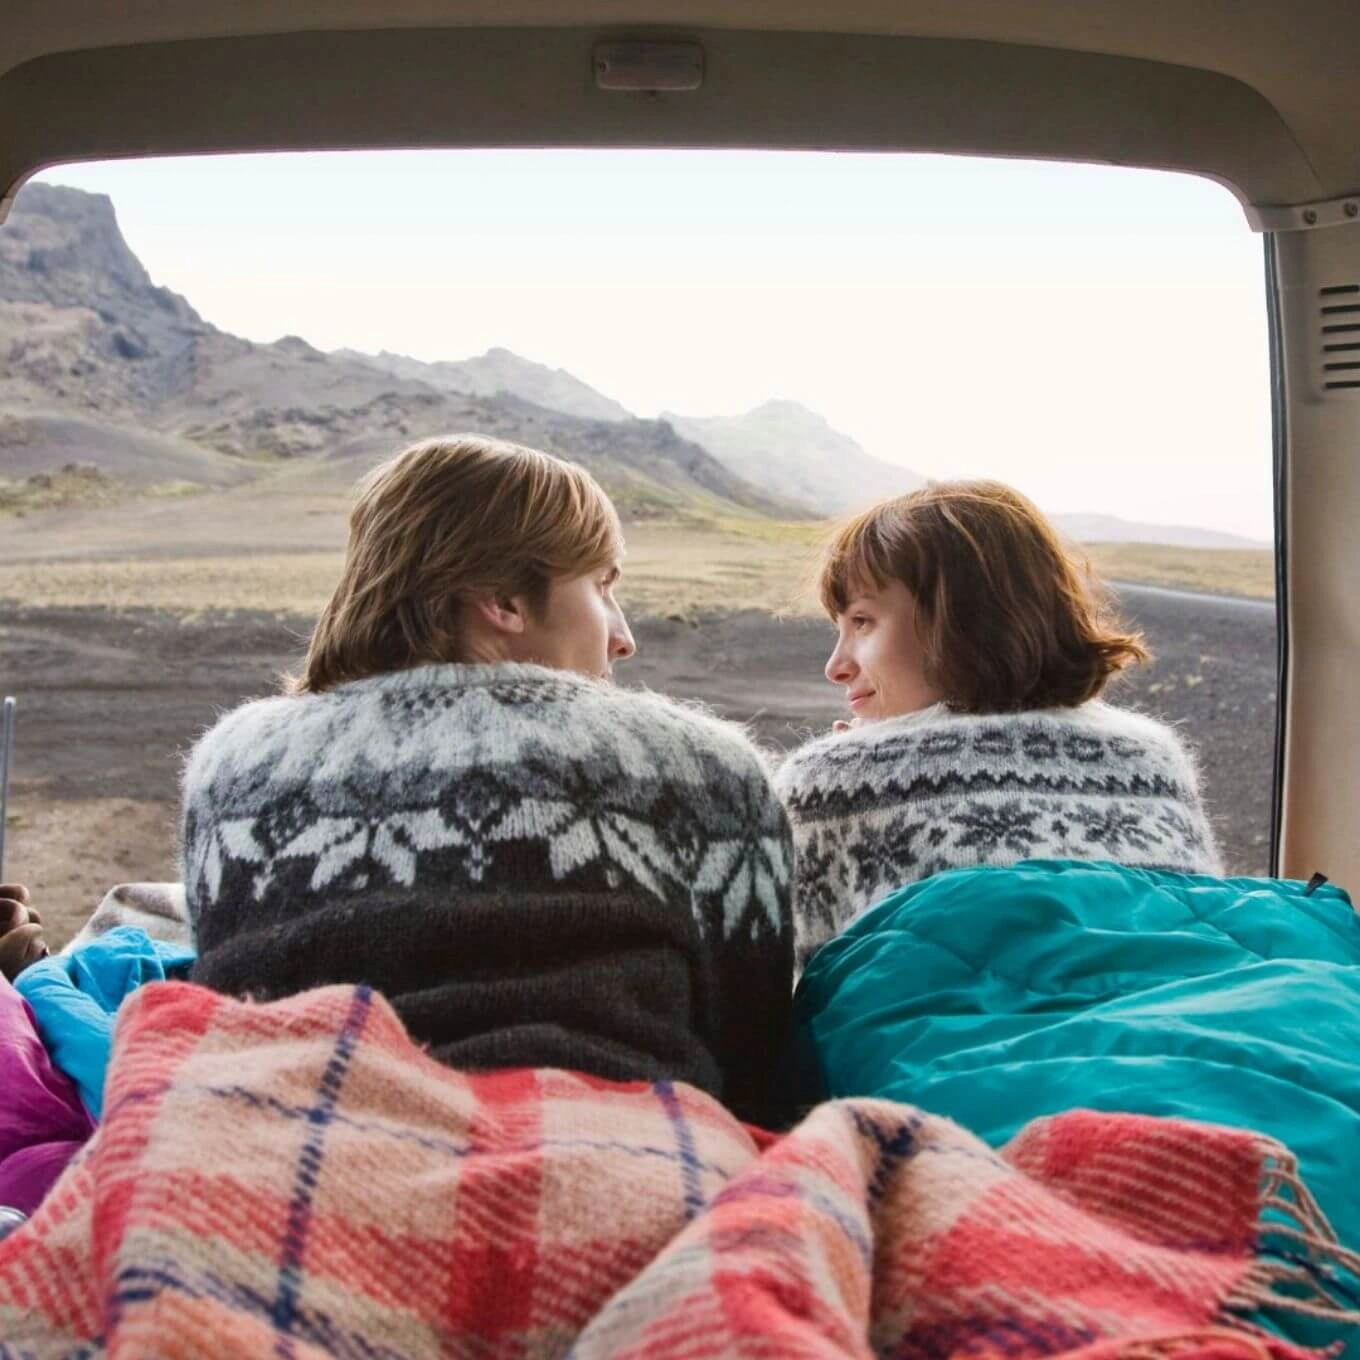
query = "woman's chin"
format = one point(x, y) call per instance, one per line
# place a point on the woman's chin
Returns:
point(887, 712)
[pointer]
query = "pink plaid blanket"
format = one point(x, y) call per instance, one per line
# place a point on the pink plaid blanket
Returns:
point(298, 1180)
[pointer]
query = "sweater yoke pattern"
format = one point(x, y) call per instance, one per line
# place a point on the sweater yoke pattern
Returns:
point(888, 804)
point(382, 781)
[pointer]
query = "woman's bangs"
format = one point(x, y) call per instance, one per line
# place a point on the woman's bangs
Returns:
point(855, 560)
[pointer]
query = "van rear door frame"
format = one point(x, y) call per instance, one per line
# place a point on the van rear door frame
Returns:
point(1312, 264)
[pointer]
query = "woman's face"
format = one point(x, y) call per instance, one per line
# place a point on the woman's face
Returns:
point(878, 657)
point(580, 628)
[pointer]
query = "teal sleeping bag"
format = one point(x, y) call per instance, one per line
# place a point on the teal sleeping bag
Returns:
point(997, 995)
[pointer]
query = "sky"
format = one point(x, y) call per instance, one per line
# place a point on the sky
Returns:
point(1094, 335)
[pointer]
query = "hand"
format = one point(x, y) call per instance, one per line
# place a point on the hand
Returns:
point(841, 725)
point(21, 932)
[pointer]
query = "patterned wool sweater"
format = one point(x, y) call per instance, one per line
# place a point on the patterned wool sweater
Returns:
point(537, 869)
point(881, 806)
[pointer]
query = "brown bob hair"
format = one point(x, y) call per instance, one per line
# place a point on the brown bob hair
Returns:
point(1009, 618)
point(444, 522)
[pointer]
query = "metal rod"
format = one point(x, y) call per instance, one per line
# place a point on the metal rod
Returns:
point(5, 760)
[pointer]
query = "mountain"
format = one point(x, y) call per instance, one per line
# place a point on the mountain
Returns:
point(1111, 529)
point(83, 327)
point(782, 444)
point(104, 368)
point(499, 370)
point(99, 366)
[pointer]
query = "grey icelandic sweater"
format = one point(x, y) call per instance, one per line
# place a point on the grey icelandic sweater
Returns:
point(537, 869)
point(884, 805)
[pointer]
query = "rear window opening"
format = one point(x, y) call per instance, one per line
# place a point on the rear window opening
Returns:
point(203, 356)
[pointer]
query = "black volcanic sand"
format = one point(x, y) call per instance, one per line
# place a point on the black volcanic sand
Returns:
point(109, 701)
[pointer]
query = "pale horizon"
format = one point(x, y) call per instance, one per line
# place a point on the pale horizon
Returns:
point(1095, 336)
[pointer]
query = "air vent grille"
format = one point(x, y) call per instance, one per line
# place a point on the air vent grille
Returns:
point(1339, 306)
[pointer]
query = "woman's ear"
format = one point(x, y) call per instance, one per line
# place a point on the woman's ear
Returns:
point(503, 613)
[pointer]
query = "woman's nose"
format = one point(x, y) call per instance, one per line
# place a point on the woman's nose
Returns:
point(840, 669)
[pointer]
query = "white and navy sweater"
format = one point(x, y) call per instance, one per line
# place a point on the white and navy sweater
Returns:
point(884, 805)
point(537, 869)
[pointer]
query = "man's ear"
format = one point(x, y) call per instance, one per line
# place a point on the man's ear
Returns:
point(504, 613)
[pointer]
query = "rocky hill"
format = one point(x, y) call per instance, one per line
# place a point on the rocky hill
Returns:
point(104, 368)
point(82, 327)
point(798, 451)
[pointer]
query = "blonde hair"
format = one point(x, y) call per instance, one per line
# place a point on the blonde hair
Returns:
point(1009, 617)
point(445, 521)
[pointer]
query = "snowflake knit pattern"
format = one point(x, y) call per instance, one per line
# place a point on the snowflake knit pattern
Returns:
point(884, 805)
point(536, 868)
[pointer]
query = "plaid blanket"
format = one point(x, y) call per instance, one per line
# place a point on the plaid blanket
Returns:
point(299, 1180)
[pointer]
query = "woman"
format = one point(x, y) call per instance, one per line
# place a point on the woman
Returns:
point(452, 804)
point(1020, 878)
point(973, 652)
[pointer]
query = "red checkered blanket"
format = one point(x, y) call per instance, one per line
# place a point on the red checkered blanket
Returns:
point(298, 1180)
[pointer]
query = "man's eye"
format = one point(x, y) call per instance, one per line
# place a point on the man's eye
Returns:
point(859, 620)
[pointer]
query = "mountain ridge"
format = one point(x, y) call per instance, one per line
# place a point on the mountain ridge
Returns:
point(1088, 527)
point(501, 370)
point(800, 451)
point(91, 339)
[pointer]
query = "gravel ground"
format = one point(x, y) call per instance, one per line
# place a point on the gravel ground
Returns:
point(108, 702)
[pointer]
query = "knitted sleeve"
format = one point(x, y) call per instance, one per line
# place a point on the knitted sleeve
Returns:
point(742, 893)
point(755, 974)
point(825, 890)
point(1202, 851)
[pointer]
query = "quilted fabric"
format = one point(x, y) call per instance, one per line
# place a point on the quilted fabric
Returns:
point(996, 996)
point(299, 1180)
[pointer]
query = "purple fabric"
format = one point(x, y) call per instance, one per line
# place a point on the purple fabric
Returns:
point(42, 1122)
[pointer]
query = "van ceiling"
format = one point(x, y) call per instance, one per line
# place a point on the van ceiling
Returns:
point(1256, 93)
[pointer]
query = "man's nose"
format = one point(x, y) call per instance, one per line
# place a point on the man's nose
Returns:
point(621, 644)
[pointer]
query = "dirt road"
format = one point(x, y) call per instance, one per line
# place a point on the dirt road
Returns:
point(109, 701)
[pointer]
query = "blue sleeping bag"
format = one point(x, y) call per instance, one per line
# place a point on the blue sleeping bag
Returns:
point(997, 995)
point(75, 999)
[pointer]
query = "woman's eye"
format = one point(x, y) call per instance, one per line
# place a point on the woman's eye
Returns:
point(859, 620)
